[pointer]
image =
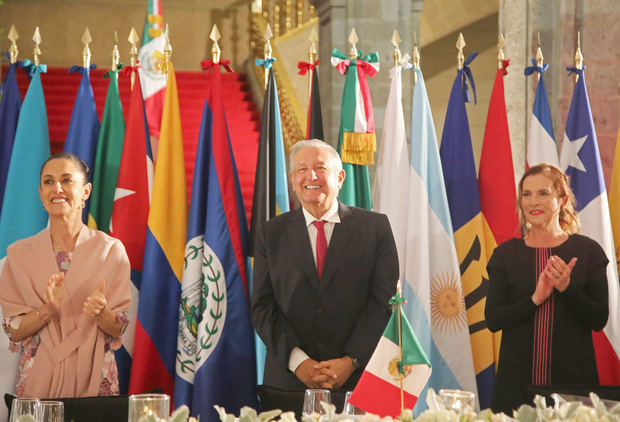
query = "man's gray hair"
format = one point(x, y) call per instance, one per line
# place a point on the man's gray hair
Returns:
point(315, 143)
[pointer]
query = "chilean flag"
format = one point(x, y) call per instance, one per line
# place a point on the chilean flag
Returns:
point(215, 361)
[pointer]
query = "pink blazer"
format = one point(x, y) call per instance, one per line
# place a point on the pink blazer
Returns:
point(69, 359)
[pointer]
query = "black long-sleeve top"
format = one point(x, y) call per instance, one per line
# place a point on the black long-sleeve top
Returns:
point(581, 308)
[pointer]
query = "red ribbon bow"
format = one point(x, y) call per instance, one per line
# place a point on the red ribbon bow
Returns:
point(305, 66)
point(342, 66)
point(366, 68)
point(210, 64)
point(505, 64)
point(128, 70)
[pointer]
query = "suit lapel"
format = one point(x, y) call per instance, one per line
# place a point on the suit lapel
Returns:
point(301, 243)
point(337, 246)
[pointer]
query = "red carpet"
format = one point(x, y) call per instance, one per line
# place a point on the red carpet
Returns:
point(60, 88)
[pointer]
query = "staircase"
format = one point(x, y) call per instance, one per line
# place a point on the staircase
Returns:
point(60, 88)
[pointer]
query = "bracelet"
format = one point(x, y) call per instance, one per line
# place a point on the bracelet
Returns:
point(41, 317)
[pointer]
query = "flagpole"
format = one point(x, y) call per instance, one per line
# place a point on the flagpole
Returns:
point(116, 55)
point(36, 53)
point(13, 51)
point(578, 56)
point(416, 58)
point(460, 57)
point(133, 52)
point(216, 52)
point(313, 37)
point(500, 51)
point(86, 39)
point(400, 348)
point(539, 57)
point(167, 54)
point(267, 51)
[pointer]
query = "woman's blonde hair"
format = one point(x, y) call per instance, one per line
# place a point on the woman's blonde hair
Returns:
point(569, 221)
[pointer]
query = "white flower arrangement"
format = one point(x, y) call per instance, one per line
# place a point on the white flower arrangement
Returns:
point(437, 412)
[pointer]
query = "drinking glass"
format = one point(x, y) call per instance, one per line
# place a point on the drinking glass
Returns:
point(458, 400)
point(24, 410)
point(51, 411)
point(312, 401)
point(350, 408)
point(149, 407)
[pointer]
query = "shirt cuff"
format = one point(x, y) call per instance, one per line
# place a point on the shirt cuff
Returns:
point(296, 358)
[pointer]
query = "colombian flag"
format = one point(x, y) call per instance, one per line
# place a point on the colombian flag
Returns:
point(472, 236)
point(160, 290)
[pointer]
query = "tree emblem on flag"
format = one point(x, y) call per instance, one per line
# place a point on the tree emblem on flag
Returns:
point(203, 307)
point(447, 303)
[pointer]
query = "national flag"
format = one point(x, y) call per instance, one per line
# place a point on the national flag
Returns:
point(152, 78)
point(541, 147)
point(356, 138)
point(107, 157)
point(496, 178)
point(215, 362)
point(472, 235)
point(83, 130)
point(432, 279)
point(398, 362)
point(130, 211)
point(154, 355)
point(22, 214)
point(10, 104)
point(314, 127)
point(581, 160)
point(270, 185)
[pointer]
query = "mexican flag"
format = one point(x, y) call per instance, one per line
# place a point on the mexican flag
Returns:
point(378, 390)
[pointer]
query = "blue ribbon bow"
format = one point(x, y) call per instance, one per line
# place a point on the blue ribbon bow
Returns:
point(535, 68)
point(30, 67)
point(466, 74)
point(81, 69)
point(574, 70)
point(266, 63)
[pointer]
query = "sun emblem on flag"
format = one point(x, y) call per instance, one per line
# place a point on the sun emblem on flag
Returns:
point(447, 303)
point(395, 373)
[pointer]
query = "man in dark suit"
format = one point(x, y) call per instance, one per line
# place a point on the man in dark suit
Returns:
point(321, 290)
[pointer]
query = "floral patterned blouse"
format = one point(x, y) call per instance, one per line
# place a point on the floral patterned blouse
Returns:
point(30, 345)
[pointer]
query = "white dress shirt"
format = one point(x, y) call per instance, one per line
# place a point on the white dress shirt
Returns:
point(331, 218)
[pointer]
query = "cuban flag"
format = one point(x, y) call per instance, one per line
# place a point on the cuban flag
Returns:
point(215, 360)
point(432, 278)
point(541, 147)
point(581, 161)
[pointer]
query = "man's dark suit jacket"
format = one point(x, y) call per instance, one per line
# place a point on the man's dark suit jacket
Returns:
point(344, 313)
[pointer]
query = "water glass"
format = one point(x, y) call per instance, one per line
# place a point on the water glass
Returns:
point(149, 407)
point(349, 408)
point(24, 410)
point(312, 401)
point(51, 411)
point(458, 400)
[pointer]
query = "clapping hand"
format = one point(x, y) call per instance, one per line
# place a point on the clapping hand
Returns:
point(555, 275)
point(96, 302)
point(53, 291)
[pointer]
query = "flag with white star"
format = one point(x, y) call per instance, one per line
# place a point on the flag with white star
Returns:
point(581, 161)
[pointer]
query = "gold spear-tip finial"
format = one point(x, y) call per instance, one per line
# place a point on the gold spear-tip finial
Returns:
point(167, 51)
point(86, 39)
point(313, 38)
point(500, 51)
point(353, 40)
point(578, 55)
point(216, 52)
point(539, 54)
point(133, 52)
point(395, 41)
point(116, 55)
point(416, 53)
point(13, 36)
point(267, 51)
point(36, 53)
point(460, 44)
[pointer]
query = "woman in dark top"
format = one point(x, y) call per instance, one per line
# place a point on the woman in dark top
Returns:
point(547, 292)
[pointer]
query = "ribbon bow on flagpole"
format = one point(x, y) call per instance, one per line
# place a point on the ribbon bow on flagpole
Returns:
point(109, 73)
point(304, 67)
point(82, 69)
point(573, 70)
point(128, 70)
point(210, 64)
point(465, 75)
point(266, 63)
point(535, 68)
point(30, 67)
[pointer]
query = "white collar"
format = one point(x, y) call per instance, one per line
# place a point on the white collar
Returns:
point(331, 216)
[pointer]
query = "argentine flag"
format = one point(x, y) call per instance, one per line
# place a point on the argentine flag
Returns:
point(432, 279)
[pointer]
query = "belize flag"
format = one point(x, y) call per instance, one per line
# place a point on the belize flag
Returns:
point(160, 289)
point(541, 147)
point(472, 235)
point(581, 160)
point(432, 279)
point(215, 361)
